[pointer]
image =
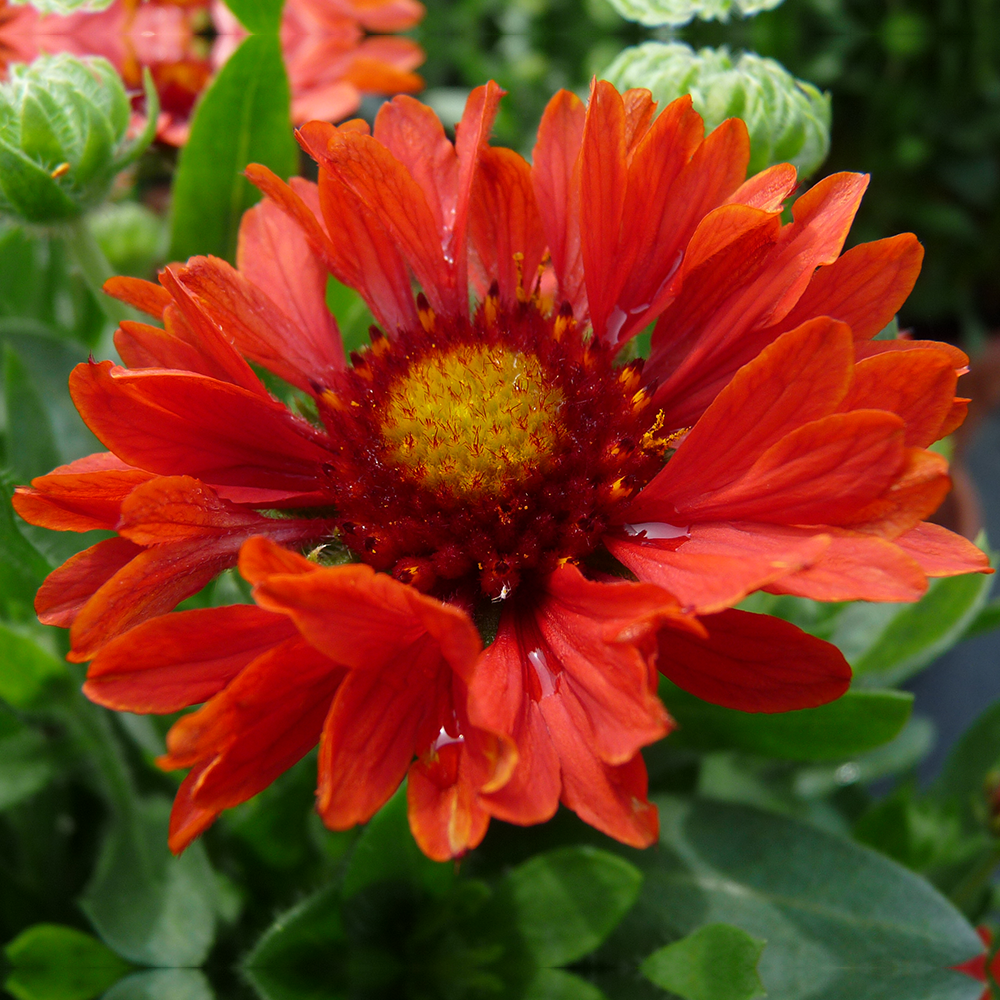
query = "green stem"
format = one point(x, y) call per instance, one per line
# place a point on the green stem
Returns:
point(95, 268)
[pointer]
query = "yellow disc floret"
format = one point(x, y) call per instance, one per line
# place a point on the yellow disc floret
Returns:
point(474, 420)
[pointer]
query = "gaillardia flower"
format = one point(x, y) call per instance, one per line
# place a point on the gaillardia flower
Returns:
point(510, 526)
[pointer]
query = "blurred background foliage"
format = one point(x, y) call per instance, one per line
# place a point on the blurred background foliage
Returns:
point(273, 906)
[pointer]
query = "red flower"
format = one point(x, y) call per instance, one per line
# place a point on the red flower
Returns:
point(976, 967)
point(503, 474)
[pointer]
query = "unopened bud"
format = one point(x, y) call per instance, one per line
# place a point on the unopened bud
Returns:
point(788, 119)
point(63, 137)
point(677, 12)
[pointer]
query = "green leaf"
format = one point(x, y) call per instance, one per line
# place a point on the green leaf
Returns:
point(49, 359)
point(26, 762)
point(567, 901)
point(387, 852)
point(242, 118)
point(987, 620)
point(716, 962)
point(841, 922)
point(259, 16)
point(971, 764)
point(22, 567)
point(556, 984)
point(30, 446)
point(854, 723)
point(150, 907)
point(27, 672)
point(912, 636)
point(162, 984)
point(51, 962)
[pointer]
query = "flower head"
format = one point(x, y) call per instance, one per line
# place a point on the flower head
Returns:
point(511, 527)
point(63, 137)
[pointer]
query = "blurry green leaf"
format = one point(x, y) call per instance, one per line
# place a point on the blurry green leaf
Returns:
point(716, 962)
point(150, 907)
point(917, 831)
point(26, 762)
point(27, 672)
point(131, 236)
point(854, 723)
point(972, 764)
point(162, 984)
point(281, 964)
point(890, 331)
point(258, 15)
point(31, 450)
point(567, 901)
point(841, 922)
point(22, 568)
point(242, 118)
point(49, 360)
point(386, 851)
point(556, 984)
point(915, 634)
point(985, 621)
point(898, 755)
point(51, 962)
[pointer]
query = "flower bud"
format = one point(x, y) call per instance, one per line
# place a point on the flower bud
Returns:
point(678, 12)
point(63, 125)
point(788, 119)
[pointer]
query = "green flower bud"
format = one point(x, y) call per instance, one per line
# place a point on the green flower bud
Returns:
point(63, 124)
point(133, 238)
point(677, 12)
point(788, 119)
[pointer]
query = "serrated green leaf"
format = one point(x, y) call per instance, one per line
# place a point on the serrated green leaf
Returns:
point(855, 723)
point(259, 16)
point(30, 443)
point(150, 907)
point(716, 962)
point(841, 922)
point(242, 118)
point(27, 672)
point(387, 852)
point(567, 901)
point(51, 962)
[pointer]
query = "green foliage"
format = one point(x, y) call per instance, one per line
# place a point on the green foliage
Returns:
point(60, 963)
point(853, 724)
point(29, 676)
point(788, 119)
point(258, 15)
point(567, 901)
point(716, 962)
point(152, 908)
point(242, 118)
point(22, 567)
point(63, 140)
point(840, 922)
point(30, 445)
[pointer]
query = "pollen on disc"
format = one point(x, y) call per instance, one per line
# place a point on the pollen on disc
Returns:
point(474, 420)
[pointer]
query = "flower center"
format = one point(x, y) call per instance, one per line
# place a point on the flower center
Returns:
point(476, 420)
point(467, 452)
